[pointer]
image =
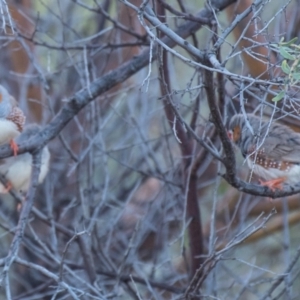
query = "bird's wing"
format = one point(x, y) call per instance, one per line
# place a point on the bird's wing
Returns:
point(285, 149)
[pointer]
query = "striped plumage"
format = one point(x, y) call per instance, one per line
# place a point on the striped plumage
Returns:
point(12, 119)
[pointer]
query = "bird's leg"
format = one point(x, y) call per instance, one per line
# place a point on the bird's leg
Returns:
point(14, 146)
point(19, 206)
point(274, 183)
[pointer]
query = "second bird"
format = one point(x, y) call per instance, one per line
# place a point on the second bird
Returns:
point(17, 170)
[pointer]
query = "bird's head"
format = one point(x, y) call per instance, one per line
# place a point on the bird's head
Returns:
point(235, 127)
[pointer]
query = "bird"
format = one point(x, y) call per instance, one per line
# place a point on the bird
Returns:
point(12, 119)
point(17, 169)
point(272, 150)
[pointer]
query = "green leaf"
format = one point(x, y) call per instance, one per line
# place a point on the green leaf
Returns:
point(296, 76)
point(284, 52)
point(278, 97)
point(285, 67)
point(289, 43)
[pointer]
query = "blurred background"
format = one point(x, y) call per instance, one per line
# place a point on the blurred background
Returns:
point(133, 207)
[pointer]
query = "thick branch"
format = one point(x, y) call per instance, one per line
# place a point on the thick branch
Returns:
point(103, 84)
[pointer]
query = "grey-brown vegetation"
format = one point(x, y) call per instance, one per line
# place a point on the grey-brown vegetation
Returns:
point(146, 197)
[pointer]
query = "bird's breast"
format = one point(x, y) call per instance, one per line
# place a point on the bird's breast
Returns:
point(8, 130)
